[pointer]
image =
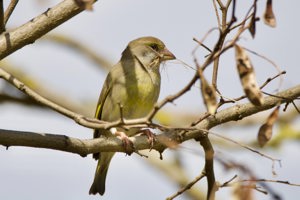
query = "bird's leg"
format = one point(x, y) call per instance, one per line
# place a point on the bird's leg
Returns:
point(127, 143)
point(150, 135)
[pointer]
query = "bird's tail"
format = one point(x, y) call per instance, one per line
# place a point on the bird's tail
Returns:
point(98, 185)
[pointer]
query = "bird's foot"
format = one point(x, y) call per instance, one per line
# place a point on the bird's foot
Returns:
point(150, 135)
point(127, 143)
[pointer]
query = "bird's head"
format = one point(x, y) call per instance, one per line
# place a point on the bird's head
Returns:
point(150, 51)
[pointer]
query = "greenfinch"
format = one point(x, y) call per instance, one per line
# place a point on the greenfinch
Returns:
point(134, 84)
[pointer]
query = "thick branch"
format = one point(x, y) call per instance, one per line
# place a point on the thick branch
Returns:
point(37, 27)
point(68, 144)
point(84, 147)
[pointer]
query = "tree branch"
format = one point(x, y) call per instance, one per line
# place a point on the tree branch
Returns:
point(37, 27)
point(84, 147)
point(209, 167)
point(11, 7)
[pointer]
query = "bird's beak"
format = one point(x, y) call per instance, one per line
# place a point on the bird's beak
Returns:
point(167, 55)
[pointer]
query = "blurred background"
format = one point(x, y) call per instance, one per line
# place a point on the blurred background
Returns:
point(68, 76)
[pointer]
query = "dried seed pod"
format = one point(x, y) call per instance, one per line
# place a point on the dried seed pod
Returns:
point(252, 27)
point(247, 76)
point(243, 191)
point(269, 17)
point(264, 134)
point(208, 94)
point(266, 130)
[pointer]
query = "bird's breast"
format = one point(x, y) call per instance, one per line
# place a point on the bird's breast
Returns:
point(142, 96)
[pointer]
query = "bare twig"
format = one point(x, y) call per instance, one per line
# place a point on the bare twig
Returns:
point(272, 78)
point(217, 13)
point(224, 29)
point(270, 181)
point(200, 42)
point(12, 5)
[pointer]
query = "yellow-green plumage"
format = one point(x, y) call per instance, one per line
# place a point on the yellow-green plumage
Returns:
point(133, 83)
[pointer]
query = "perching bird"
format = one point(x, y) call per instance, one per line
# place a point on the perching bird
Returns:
point(134, 84)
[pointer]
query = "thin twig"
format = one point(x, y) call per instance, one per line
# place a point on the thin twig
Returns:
point(272, 78)
point(217, 13)
point(269, 181)
point(200, 42)
point(12, 5)
point(220, 3)
point(203, 45)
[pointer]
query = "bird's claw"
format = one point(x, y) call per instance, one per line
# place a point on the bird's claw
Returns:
point(151, 137)
point(127, 143)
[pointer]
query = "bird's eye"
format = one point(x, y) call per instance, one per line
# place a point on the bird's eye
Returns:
point(154, 47)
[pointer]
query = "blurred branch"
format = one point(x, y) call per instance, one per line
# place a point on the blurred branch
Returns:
point(83, 49)
point(12, 99)
point(187, 188)
point(209, 167)
point(37, 27)
point(176, 172)
point(39, 87)
point(246, 172)
point(232, 182)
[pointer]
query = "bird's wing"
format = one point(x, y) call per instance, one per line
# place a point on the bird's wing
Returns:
point(103, 96)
